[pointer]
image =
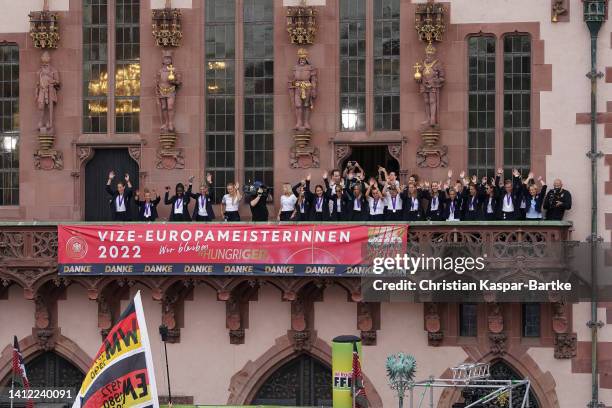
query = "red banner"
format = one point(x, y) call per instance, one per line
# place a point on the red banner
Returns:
point(224, 249)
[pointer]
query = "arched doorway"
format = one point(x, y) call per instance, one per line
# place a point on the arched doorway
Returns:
point(96, 174)
point(303, 381)
point(370, 157)
point(51, 371)
point(499, 370)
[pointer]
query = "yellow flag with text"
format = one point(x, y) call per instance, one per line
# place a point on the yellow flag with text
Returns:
point(122, 374)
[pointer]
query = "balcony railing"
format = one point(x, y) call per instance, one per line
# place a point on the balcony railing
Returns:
point(23, 243)
point(28, 245)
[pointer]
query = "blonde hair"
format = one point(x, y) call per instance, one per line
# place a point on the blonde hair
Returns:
point(287, 190)
point(235, 194)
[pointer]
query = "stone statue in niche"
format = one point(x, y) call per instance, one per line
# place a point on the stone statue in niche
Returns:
point(42, 316)
point(303, 90)
point(558, 8)
point(47, 85)
point(167, 82)
point(430, 77)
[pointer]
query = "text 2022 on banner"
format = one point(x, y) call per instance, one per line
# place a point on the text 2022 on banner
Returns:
point(224, 249)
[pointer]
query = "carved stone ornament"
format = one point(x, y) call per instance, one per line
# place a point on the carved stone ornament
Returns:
point(44, 28)
point(84, 153)
point(341, 152)
point(498, 343)
point(105, 317)
point(565, 345)
point(169, 318)
point(48, 160)
point(236, 336)
point(233, 321)
point(495, 318)
point(302, 24)
point(364, 317)
point(170, 159)
point(304, 158)
point(435, 339)
point(135, 152)
point(432, 318)
point(167, 30)
point(432, 157)
point(559, 8)
point(298, 315)
point(301, 340)
point(433, 325)
point(395, 150)
point(42, 317)
point(560, 322)
point(429, 21)
point(45, 338)
point(368, 337)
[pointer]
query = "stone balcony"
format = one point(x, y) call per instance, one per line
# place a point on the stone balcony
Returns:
point(28, 252)
point(28, 259)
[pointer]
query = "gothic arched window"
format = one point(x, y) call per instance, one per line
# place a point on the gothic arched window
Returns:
point(303, 381)
point(51, 371)
point(500, 370)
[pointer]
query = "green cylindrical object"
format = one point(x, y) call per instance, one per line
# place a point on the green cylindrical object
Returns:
point(342, 369)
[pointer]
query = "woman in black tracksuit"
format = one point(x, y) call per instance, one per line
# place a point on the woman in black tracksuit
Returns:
point(179, 202)
point(376, 203)
point(490, 203)
point(413, 210)
point(472, 202)
point(203, 210)
point(357, 204)
point(534, 199)
point(302, 205)
point(147, 208)
point(394, 210)
point(319, 205)
point(435, 202)
point(339, 202)
point(452, 207)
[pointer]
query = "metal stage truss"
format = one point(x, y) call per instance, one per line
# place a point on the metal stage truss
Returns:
point(473, 376)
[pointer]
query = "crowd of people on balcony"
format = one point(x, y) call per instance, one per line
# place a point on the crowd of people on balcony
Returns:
point(349, 196)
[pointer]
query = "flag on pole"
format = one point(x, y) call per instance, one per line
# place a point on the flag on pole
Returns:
point(359, 394)
point(122, 373)
point(19, 370)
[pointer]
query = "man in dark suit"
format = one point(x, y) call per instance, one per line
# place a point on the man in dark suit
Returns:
point(557, 201)
point(203, 210)
point(121, 197)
